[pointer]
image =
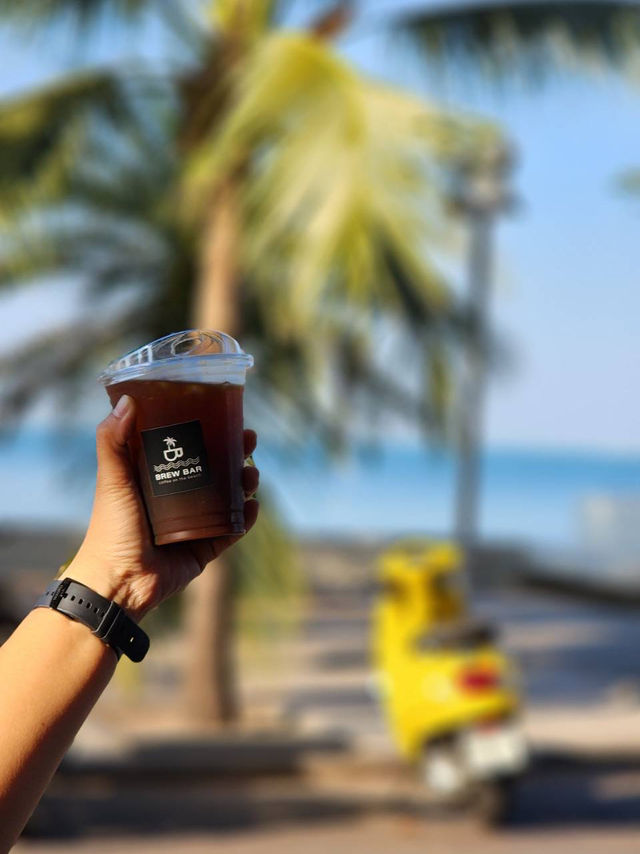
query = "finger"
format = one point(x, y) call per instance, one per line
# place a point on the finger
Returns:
point(251, 508)
point(204, 551)
point(250, 441)
point(250, 480)
point(114, 463)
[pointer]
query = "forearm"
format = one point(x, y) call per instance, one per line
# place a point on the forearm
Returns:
point(52, 671)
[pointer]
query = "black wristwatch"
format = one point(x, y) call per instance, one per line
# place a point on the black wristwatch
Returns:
point(105, 618)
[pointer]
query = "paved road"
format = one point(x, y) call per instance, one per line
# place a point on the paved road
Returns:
point(371, 835)
point(582, 671)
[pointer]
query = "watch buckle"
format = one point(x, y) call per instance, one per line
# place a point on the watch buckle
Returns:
point(109, 623)
point(60, 591)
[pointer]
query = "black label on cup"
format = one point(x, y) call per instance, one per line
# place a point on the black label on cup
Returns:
point(176, 458)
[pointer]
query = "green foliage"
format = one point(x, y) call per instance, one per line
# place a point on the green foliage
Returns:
point(265, 562)
point(341, 209)
point(338, 175)
point(110, 177)
point(536, 37)
point(243, 22)
point(42, 133)
point(39, 12)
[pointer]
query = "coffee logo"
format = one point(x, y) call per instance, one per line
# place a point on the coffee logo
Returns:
point(176, 464)
point(172, 453)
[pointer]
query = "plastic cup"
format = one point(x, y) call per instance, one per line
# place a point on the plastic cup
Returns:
point(188, 439)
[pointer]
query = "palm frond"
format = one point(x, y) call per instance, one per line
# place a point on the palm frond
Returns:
point(340, 208)
point(43, 365)
point(532, 36)
point(338, 166)
point(82, 241)
point(41, 134)
point(241, 22)
point(44, 12)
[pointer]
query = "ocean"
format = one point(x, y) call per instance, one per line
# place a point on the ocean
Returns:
point(535, 497)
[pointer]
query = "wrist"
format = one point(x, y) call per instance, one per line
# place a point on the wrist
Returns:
point(106, 583)
point(107, 620)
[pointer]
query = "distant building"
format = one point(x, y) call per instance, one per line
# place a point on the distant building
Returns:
point(611, 523)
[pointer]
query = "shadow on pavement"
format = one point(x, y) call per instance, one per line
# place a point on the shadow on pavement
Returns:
point(560, 791)
point(573, 791)
point(132, 811)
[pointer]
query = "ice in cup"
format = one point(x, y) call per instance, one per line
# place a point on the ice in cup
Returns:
point(188, 439)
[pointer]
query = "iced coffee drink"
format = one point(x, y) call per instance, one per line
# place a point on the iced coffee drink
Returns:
point(188, 439)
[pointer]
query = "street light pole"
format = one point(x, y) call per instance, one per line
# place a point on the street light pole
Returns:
point(473, 381)
point(480, 194)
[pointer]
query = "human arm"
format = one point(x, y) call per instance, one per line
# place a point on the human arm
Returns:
point(52, 669)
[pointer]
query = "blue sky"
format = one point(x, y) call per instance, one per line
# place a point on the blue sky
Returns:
point(566, 296)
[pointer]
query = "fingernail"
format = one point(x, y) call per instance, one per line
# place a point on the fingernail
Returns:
point(122, 406)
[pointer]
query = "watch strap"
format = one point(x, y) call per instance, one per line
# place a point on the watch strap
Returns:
point(106, 619)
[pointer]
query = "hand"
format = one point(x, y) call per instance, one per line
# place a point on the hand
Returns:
point(117, 557)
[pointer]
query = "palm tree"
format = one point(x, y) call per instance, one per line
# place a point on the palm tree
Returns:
point(323, 229)
point(262, 187)
point(258, 185)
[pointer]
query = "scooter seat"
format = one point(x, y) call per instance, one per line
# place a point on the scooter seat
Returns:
point(464, 634)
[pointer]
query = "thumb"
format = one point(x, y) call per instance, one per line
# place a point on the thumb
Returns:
point(114, 464)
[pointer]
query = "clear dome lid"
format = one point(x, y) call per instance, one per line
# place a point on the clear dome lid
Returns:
point(194, 355)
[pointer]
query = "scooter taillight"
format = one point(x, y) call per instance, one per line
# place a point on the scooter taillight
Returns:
point(480, 679)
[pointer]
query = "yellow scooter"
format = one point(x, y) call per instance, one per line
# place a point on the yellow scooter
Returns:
point(450, 695)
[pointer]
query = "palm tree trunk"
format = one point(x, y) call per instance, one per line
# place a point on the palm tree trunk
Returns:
point(210, 686)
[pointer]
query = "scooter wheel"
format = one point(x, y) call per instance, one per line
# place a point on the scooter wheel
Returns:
point(442, 772)
point(493, 801)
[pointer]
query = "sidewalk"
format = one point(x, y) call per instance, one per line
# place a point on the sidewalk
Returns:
point(315, 770)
